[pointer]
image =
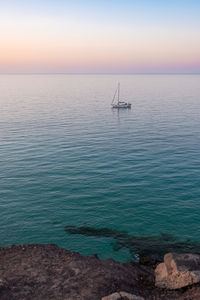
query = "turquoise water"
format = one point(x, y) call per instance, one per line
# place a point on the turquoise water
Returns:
point(66, 158)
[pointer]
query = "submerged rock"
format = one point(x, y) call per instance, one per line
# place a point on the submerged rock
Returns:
point(151, 248)
point(177, 271)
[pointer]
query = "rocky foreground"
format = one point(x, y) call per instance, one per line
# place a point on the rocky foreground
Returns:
point(45, 272)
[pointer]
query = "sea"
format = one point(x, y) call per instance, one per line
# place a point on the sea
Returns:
point(68, 159)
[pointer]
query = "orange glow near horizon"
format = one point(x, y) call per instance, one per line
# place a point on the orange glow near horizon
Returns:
point(51, 44)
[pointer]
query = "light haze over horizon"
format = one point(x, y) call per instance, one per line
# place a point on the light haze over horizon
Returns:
point(86, 36)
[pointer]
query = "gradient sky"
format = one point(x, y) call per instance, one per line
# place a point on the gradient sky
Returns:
point(90, 36)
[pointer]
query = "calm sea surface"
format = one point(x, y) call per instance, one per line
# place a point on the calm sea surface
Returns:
point(67, 158)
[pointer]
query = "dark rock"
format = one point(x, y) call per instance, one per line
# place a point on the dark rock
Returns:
point(148, 261)
point(3, 284)
point(47, 272)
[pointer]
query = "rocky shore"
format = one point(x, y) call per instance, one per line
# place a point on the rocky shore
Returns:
point(45, 272)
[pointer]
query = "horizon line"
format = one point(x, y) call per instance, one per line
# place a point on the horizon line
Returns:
point(101, 73)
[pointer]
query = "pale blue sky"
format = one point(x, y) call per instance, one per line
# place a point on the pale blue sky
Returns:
point(99, 36)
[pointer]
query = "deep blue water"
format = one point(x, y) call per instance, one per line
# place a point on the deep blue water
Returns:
point(67, 157)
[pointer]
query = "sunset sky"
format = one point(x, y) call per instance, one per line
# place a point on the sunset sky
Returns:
point(99, 36)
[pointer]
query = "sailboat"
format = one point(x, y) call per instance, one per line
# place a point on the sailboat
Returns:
point(119, 104)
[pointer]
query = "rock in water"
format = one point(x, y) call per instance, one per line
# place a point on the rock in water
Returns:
point(177, 271)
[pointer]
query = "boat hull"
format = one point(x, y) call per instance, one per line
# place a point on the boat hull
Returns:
point(128, 105)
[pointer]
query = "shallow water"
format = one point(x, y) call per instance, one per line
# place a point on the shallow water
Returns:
point(67, 157)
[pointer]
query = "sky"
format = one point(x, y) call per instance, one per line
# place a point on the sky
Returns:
point(99, 36)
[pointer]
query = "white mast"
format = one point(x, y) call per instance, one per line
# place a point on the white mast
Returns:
point(118, 91)
point(114, 96)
